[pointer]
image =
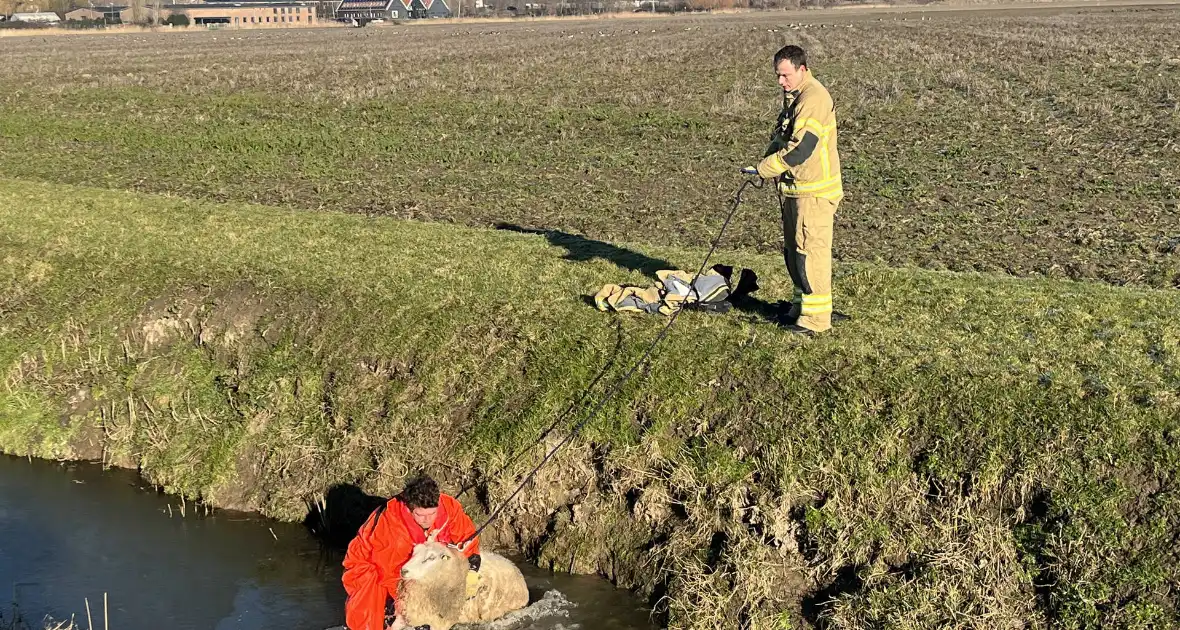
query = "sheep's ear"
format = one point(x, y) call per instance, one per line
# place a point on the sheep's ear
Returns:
point(434, 537)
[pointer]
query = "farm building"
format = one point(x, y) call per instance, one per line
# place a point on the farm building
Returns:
point(100, 13)
point(40, 17)
point(248, 14)
point(363, 11)
point(241, 14)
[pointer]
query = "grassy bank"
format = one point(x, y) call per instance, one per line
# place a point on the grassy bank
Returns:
point(970, 143)
point(970, 449)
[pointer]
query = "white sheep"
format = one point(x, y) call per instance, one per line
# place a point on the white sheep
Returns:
point(433, 588)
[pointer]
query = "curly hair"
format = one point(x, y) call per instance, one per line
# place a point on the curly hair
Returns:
point(420, 492)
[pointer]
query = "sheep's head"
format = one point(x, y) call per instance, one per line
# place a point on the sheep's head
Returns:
point(434, 560)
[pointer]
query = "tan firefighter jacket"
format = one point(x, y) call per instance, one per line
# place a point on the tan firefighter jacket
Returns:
point(709, 291)
point(803, 146)
point(675, 289)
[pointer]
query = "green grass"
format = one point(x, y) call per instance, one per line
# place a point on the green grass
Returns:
point(970, 143)
point(971, 449)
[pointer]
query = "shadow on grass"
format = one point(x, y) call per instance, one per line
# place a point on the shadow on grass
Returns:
point(761, 309)
point(582, 249)
point(816, 605)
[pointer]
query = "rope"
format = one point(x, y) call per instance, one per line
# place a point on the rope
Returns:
point(564, 414)
point(737, 201)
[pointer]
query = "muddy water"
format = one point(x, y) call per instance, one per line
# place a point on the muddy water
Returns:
point(72, 532)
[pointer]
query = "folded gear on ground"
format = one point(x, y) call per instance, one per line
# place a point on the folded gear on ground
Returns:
point(713, 290)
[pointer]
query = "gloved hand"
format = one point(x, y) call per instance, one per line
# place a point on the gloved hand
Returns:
point(771, 167)
point(472, 583)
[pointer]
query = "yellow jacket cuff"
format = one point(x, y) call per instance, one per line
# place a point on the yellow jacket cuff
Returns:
point(771, 166)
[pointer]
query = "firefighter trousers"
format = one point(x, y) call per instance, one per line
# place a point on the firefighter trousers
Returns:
point(807, 239)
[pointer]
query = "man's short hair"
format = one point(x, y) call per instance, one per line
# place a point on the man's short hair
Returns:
point(420, 492)
point(796, 55)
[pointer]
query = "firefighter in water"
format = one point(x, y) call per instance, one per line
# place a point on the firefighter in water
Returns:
point(373, 564)
point(802, 157)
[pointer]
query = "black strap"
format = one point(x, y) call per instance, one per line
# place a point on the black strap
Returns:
point(376, 516)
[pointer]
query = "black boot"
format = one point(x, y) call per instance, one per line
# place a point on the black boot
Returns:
point(783, 315)
point(798, 330)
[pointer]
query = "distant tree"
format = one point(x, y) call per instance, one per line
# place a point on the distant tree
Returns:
point(177, 19)
point(326, 10)
point(137, 12)
point(8, 7)
point(60, 7)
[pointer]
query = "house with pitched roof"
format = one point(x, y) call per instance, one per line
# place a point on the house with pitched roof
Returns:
point(364, 11)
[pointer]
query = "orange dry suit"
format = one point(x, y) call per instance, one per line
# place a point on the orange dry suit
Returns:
point(373, 564)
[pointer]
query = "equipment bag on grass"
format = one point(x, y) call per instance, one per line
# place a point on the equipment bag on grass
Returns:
point(713, 290)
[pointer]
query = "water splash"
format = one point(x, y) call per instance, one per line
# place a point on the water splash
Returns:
point(533, 617)
point(539, 615)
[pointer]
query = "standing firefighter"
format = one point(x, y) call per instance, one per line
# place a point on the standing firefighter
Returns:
point(802, 157)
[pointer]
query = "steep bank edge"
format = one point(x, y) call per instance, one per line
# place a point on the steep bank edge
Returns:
point(968, 446)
